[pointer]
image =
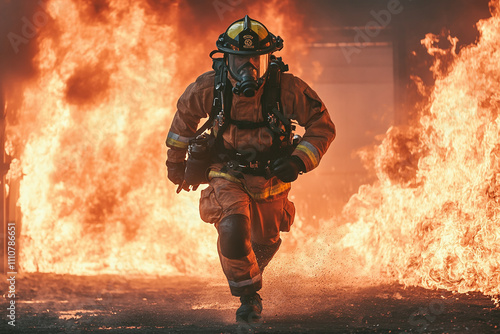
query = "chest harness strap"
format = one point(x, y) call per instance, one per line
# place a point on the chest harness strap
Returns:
point(256, 163)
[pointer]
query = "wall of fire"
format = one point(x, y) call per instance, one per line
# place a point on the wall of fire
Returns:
point(359, 57)
point(361, 64)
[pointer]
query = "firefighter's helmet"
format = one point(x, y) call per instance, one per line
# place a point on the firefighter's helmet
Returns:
point(248, 37)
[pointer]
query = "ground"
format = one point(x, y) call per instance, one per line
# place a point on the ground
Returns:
point(49, 303)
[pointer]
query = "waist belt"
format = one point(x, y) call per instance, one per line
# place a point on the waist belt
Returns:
point(256, 168)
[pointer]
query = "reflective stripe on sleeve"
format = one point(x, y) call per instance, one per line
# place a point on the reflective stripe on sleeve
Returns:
point(311, 152)
point(175, 140)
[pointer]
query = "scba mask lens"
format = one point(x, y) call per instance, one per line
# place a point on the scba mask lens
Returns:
point(249, 71)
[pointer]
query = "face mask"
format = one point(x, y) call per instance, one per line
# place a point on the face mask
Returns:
point(248, 71)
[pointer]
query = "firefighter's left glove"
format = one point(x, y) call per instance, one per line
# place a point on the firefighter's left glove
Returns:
point(176, 171)
point(288, 169)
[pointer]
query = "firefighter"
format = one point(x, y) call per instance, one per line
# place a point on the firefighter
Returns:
point(251, 155)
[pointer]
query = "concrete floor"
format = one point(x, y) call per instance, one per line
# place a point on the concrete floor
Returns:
point(48, 303)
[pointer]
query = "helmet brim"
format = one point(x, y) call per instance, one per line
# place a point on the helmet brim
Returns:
point(276, 45)
point(269, 49)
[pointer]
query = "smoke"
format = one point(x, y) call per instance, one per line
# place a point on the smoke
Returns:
point(18, 44)
point(88, 85)
point(20, 22)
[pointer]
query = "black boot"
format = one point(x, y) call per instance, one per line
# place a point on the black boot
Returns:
point(250, 309)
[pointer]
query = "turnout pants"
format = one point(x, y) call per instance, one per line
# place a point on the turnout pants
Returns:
point(267, 209)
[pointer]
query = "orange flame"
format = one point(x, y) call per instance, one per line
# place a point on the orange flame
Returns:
point(94, 197)
point(432, 219)
point(94, 194)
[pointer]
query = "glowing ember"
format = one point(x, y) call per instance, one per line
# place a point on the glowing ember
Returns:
point(433, 217)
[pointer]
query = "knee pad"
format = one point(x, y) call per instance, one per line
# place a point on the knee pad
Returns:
point(234, 236)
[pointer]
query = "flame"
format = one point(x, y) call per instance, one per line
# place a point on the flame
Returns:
point(94, 195)
point(432, 218)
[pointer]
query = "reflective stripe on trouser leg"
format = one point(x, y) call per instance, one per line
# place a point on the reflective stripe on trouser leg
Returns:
point(243, 274)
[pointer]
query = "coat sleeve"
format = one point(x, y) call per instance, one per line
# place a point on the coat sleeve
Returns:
point(193, 105)
point(310, 113)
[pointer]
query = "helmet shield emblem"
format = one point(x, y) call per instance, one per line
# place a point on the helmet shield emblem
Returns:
point(247, 42)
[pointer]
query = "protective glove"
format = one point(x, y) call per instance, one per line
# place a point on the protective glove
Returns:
point(176, 171)
point(288, 169)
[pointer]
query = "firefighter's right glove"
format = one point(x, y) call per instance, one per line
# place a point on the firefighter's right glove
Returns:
point(288, 169)
point(176, 171)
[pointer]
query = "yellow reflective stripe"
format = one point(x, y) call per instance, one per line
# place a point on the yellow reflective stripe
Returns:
point(310, 151)
point(274, 190)
point(226, 176)
point(175, 140)
point(175, 143)
point(277, 189)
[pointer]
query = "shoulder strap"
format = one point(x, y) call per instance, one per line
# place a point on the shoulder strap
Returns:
point(272, 108)
point(224, 113)
point(273, 90)
point(271, 105)
point(223, 98)
point(218, 66)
